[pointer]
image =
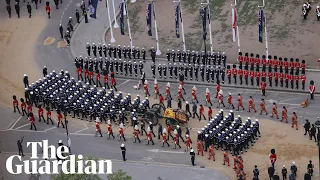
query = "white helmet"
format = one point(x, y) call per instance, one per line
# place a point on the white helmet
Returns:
point(168, 84)
point(121, 125)
point(194, 88)
point(136, 127)
point(109, 122)
point(207, 90)
point(175, 132)
point(155, 81)
point(122, 145)
point(164, 131)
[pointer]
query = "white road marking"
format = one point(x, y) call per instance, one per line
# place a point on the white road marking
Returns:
point(64, 11)
point(81, 134)
point(81, 129)
point(172, 152)
point(123, 83)
point(149, 159)
point(15, 122)
point(50, 129)
point(22, 126)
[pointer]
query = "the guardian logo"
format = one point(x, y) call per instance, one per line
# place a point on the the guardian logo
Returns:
point(50, 164)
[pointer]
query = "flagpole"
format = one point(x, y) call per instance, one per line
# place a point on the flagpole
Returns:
point(158, 52)
point(265, 31)
point(128, 21)
point(182, 27)
point(114, 16)
point(112, 40)
point(238, 36)
point(210, 30)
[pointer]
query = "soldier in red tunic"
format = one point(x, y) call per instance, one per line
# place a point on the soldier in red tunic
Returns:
point(220, 99)
point(281, 64)
point(98, 130)
point(263, 86)
point(110, 133)
point(194, 94)
point(156, 89)
point(275, 110)
point(251, 105)
point(286, 65)
point(182, 85)
point(276, 78)
point(180, 95)
point(217, 89)
point(303, 78)
point(291, 78)
point(291, 65)
point(246, 75)
point(113, 82)
point(200, 148)
point(240, 58)
point(105, 80)
point(188, 143)
point(234, 73)
point(240, 72)
point(263, 107)
point(60, 119)
point(287, 77)
point(79, 72)
point(230, 101)
point(246, 60)
point(282, 77)
point(240, 102)
point(201, 112)
point(257, 74)
point(257, 61)
point(209, 113)
point(251, 60)
point(297, 65)
point(297, 78)
point(32, 121)
point(23, 107)
point(49, 115)
point(15, 104)
point(270, 61)
point(86, 76)
point(284, 114)
point(91, 75)
point(252, 77)
point(168, 94)
point(98, 76)
point(211, 153)
point(121, 132)
point(226, 158)
point(312, 89)
point(270, 75)
point(229, 74)
point(275, 63)
point(303, 65)
point(29, 107)
point(264, 61)
point(136, 134)
point(208, 99)
point(164, 138)
point(176, 139)
point(40, 114)
point(146, 90)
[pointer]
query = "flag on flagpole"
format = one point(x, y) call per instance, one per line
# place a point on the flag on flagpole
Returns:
point(124, 7)
point(149, 18)
point(122, 18)
point(234, 24)
point(203, 13)
point(260, 25)
point(177, 14)
point(93, 8)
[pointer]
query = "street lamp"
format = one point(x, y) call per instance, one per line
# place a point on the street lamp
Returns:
point(317, 124)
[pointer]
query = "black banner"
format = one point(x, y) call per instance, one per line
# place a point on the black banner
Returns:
point(203, 13)
point(149, 18)
point(177, 14)
point(122, 18)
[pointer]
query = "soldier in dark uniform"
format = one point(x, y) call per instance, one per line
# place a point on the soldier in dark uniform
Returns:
point(143, 52)
point(153, 54)
point(134, 53)
point(194, 57)
point(189, 57)
point(186, 71)
point(170, 70)
point(203, 58)
point(217, 72)
point(94, 49)
point(121, 66)
point(135, 67)
point(124, 52)
point(168, 55)
point(88, 49)
point(173, 55)
point(141, 67)
point(100, 50)
point(212, 74)
point(179, 56)
point(208, 73)
point(224, 59)
point(160, 70)
point(153, 69)
point(164, 68)
point(191, 71)
point(116, 65)
point(214, 58)
point(198, 58)
point(202, 72)
point(223, 74)
point(114, 51)
point(196, 70)
point(175, 70)
point(125, 65)
point(183, 57)
point(219, 59)
point(130, 68)
point(104, 50)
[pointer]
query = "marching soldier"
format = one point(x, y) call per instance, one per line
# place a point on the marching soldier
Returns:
point(263, 85)
point(188, 56)
point(251, 105)
point(240, 72)
point(100, 50)
point(186, 71)
point(212, 74)
point(153, 54)
point(121, 132)
point(138, 52)
point(160, 70)
point(312, 89)
point(135, 68)
point(220, 99)
point(196, 70)
point(318, 13)
point(246, 75)
point(153, 69)
point(156, 89)
point(175, 70)
point(240, 104)
point(49, 115)
point(32, 121)
point(274, 110)
point(294, 120)
point(229, 74)
point(141, 67)
point(180, 96)
point(291, 78)
point(130, 66)
point(208, 100)
point(15, 104)
point(88, 47)
point(202, 72)
point(146, 90)
point(164, 137)
point(263, 107)
point(230, 101)
point(98, 129)
point(104, 50)
point(176, 139)
point(168, 55)
point(252, 75)
point(193, 93)
point(136, 134)
point(284, 114)
point(181, 56)
point(257, 74)
point(270, 75)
